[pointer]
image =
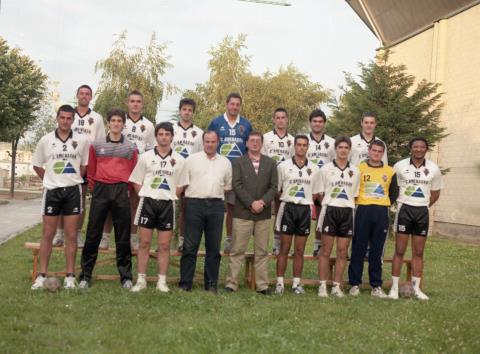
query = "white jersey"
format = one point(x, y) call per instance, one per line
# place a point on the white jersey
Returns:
point(416, 183)
point(322, 151)
point(276, 147)
point(159, 176)
point(359, 151)
point(340, 187)
point(61, 159)
point(90, 124)
point(187, 141)
point(141, 133)
point(298, 185)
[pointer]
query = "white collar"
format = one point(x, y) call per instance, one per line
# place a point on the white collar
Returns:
point(236, 121)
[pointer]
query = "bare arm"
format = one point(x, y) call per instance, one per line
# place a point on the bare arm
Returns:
point(136, 187)
point(434, 195)
point(39, 171)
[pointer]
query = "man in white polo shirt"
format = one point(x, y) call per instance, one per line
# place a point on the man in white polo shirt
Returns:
point(420, 181)
point(60, 160)
point(361, 142)
point(207, 176)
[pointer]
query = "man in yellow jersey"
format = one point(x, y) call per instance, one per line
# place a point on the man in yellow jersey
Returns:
point(378, 190)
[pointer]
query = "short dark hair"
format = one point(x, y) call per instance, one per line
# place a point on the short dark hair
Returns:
point(377, 143)
point(299, 137)
point(85, 87)
point(368, 114)
point(165, 126)
point(209, 132)
point(280, 109)
point(343, 139)
point(116, 112)
point(66, 108)
point(187, 102)
point(417, 138)
point(317, 113)
point(234, 95)
point(136, 93)
point(255, 133)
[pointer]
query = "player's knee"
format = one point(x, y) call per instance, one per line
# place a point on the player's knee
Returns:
point(163, 247)
point(342, 253)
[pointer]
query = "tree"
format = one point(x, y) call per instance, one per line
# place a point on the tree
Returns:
point(262, 94)
point(22, 87)
point(127, 69)
point(403, 109)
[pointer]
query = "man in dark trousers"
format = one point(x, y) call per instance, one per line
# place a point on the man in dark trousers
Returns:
point(255, 185)
point(111, 161)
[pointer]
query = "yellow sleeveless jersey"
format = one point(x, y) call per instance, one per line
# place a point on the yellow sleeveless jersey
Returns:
point(374, 184)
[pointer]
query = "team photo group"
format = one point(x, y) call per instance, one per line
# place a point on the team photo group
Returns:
point(145, 178)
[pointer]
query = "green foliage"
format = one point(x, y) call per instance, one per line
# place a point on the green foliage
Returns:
point(127, 69)
point(403, 109)
point(262, 94)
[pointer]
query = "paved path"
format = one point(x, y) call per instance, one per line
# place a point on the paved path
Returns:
point(17, 216)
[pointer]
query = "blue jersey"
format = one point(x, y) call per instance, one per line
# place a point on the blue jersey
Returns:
point(233, 139)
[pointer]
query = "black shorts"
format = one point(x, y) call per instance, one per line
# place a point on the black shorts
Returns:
point(294, 219)
point(336, 221)
point(155, 214)
point(412, 220)
point(62, 201)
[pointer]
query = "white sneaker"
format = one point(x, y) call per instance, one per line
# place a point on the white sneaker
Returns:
point(69, 283)
point(279, 289)
point(322, 291)
point(336, 291)
point(180, 244)
point(378, 292)
point(127, 284)
point(134, 242)
point(276, 246)
point(140, 285)
point(104, 243)
point(393, 294)
point(58, 240)
point(227, 246)
point(420, 295)
point(298, 290)
point(38, 283)
point(355, 290)
point(162, 287)
point(80, 242)
point(83, 284)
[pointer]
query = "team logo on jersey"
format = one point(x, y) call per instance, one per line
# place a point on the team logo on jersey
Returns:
point(142, 128)
point(297, 192)
point(319, 162)
point(374, 190)
point(90, 121)
point(62, 167)
point(194, 133)
point(350, 173)
point(327, 145)
point(173, 162)
point(74, 144)
point(413, 191)
point(309, 171)
point(426, 171)
point(182, 151)
point(241, 129)
point(230, 150)
point(160, 183)
point(339, 193)
point(289, 142)
point(385, 178)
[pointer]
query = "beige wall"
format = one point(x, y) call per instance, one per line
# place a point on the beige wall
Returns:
point(449, 53)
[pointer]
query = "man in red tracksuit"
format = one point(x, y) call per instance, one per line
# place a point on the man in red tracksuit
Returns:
point(111, 161)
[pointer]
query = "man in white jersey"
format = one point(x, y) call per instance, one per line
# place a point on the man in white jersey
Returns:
point(155, 179)
point(420, 181)
point(60, 160)
point(298, 183)
point(91, 124)
point(320, 152)
point(361, 142)
point(187, 140)
point(339, 186)
point(278, 145)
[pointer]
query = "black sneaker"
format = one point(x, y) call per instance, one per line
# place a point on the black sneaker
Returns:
point(267, 291)
point(228, 289)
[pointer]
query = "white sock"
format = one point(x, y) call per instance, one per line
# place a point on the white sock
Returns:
point(416, 283)
point(162, 278)
point(229, 238)
point(141, 276)
point(395, 281)
point(280, 280)
point(132, 236)
point(316, 244)
point(296, 282)
point(335, 284)
point(79, 233)
point(106, 235)
point(59, 231)
point(323, 283)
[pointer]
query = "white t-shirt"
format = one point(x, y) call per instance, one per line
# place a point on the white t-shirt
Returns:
point(416, 183)
point(298, 185)
point(159, 176)
point(206, 178)
point(359, 151)
point(340, 187)
point(322, 151)
point(91, 124)
point(276, 147)
point(187, 141)
point(61, 159)
point(141, 133)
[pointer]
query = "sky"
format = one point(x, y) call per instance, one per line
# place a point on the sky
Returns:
point(323, 38)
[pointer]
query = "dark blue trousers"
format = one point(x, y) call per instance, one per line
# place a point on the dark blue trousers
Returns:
point(202, 216)
point(371, 227)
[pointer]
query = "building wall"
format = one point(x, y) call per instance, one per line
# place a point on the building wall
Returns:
point(449, 53)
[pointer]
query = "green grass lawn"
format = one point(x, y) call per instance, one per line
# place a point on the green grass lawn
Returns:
point(106, 318)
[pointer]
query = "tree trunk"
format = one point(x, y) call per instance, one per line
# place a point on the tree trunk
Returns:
point(12, 170)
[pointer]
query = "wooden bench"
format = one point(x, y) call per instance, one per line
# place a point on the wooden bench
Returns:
point(249, 276)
